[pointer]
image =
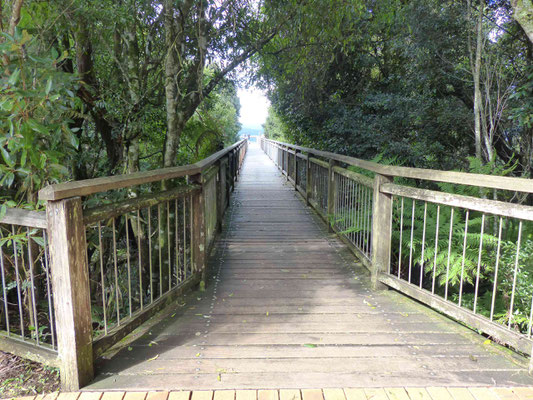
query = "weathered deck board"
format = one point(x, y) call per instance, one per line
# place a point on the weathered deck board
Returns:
point(387, 393)
point(288, 307)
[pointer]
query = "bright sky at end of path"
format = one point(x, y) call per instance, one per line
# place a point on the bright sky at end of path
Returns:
point(254, 107)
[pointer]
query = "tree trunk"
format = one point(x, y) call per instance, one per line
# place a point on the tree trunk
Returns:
point(523, 14)
point(476, 72)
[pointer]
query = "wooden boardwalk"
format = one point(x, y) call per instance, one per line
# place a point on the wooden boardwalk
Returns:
point(287, 306)
point(430, 393)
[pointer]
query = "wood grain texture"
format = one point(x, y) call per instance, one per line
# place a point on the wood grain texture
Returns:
point(70, 280)
point(462, 178)
point(495, 207)
point(91, 186)
point(18, 216)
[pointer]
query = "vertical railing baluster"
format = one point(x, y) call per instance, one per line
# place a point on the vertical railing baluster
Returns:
point(4, 288)
point(101, 256)
point(115, 263)
point(478, 271)
point(160, 250)
point(411, 242)
point(169, 240)
point(423, 244)
point(177, 247)
point(518, 242)
point(139, 255)
point(449, 255)
point(436, 250)
point(17, 278)
point(128, 262)
point(464, 258)
point(495, 286)
point(150, 273)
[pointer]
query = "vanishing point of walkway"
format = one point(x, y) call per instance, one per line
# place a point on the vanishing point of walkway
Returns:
point(287, 306)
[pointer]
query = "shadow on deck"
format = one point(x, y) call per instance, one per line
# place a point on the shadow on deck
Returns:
point(288, 306)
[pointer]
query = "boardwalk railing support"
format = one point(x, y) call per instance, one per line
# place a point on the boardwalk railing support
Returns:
point(331, 195)
point(199, 244)
point(296, 180)
point(72, 302)
point(381, 230)
point(308, 178)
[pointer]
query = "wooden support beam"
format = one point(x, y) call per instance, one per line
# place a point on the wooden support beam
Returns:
point(199, 244)
point(70, 282)
point(331, 194)
point(308, 179)
point(221, 193)
point(381, 230)
point(296, 180)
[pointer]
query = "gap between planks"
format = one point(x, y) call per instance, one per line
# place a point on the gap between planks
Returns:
point(398, 393)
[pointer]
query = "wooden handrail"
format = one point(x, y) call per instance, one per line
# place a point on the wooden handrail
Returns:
point(31, 219)
point(460, 178)
point(87, 187)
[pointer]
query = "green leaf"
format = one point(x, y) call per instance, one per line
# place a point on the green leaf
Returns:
point(310, 345)
point(13, 79)
point(38, 240)
point(37, 127)
point(48, 86)
point(6, 156)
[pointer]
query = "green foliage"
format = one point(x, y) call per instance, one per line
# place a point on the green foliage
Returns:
point(274, 127)
point(214, 126)
point(462, 246)
point(394, 78)
point(36, 102)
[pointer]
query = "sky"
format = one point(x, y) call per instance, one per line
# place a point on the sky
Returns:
point(254, 107)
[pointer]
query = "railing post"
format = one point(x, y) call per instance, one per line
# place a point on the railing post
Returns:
point(308, 180)
point(284, 163)
point(221, 193)
point(331, 194)
point(70, 282)
point(237, 154)
point(295, 169)
point(199, 236)
point(231, 170)
point(381, 230)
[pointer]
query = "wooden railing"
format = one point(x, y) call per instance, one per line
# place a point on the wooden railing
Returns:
point(416, 231)
point(81, 276)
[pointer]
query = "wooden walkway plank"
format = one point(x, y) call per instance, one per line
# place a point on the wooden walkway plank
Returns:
point(483, 393)
point(504, 393)
point(523, 393)
point(183, 395)
point(376, 394)
point(92, 396)
point(157, 395)
point(355, 394)
point(439, 393)
point(418, 394)
point(397, 394)
point(246, 395)
point(290, 394)
point(224, 395)
point(334, 394)
point(267, 395)
point(202, 395)
point(113, 396)
point(133, 396)
point(461, 394)
point(68, 396)
point(312, 394)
